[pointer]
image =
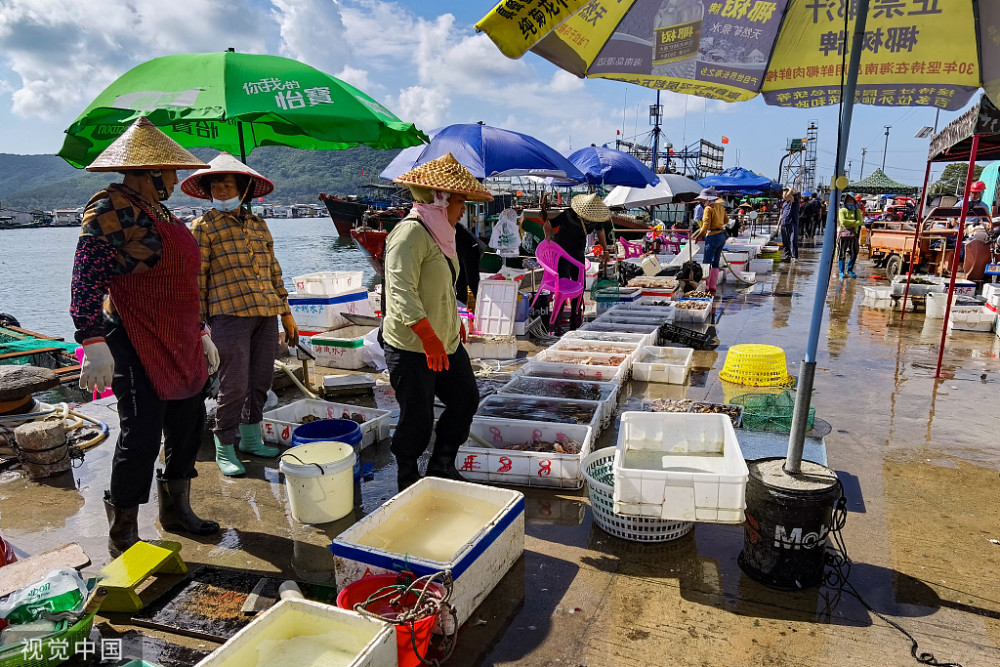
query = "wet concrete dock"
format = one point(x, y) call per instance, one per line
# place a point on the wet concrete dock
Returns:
point(918, 457)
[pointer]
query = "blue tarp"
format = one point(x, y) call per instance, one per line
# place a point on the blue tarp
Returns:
point(738, 180)
point(606, 166)
point(990, 176)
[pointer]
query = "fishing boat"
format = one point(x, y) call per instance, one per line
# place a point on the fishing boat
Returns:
point(347, 211)
point(22, 346)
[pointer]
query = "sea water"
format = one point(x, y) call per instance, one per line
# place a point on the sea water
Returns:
point(655, 459)
point(434, 525)
point(316, 651)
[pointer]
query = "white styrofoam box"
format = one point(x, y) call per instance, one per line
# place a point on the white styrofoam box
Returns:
point(618, 327)
point(644, 319)
point(491, 346)
point(279, 423)
point(639, 310)
point(963, 288)
point(496, 304)
point(607, 347)
point(694, 314)
point(936, 285)
point(611, 337)
point(971, 318)
point(476, 568)
point(658, 301)
point(521, 468)
point(324, 312)
point(991, 292)
point(548, 369)
point(670, 365)
point(375, 302)
point(586, 358)
point(340, 348)
point(326, 283)
point(761, 265)
point(606, 393)
point(680, 466)
point(878, 297)
point(372, 642)
point(542, 409)
point(650, 265)
point(736, 257)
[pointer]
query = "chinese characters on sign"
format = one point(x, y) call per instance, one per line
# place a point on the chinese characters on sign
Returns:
point(289, 95)
point(942, 97)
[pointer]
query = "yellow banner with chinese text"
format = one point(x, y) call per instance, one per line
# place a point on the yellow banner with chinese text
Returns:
point(517, 25)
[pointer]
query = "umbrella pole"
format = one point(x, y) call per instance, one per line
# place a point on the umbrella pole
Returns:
point(916, 239)
point(239, 131)
point(969, 178)
point(807, 371)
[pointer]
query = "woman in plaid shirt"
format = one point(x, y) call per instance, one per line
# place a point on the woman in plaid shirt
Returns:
point(241, 293)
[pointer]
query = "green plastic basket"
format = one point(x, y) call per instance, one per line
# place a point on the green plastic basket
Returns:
point(770, 412)
point(51, 649)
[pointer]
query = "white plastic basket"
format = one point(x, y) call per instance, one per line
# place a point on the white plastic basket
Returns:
point(597, 470)
point(670, 365)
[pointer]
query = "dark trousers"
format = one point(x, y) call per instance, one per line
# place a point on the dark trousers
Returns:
point(849, 250)
point(790, 241)
point(145, 420)
point(246, 369)
point(416, 386)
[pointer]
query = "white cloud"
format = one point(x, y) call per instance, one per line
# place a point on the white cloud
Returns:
point(426, 107)
point(564, 82)
point(357, 78)
point(313, 31)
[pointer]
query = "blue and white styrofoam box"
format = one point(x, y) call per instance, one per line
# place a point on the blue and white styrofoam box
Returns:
point(325, 312)
point(475, 531)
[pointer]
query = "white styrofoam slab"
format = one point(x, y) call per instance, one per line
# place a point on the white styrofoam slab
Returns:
point(496, 304)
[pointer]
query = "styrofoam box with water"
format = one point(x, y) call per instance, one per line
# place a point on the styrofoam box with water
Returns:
point(585, 358)
point(475, 531)
point(542, 407)
point(524, 385)
point(280, 422)
point(303, 632)
point(679, 466)
point(324, 283)
point(669, 365)
point(523, 468)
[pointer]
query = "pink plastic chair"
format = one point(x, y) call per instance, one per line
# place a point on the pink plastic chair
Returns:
point(631, 249)
point(548, 254)
point(672, 242)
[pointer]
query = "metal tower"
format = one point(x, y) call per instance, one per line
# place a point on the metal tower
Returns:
point(809, 168)
point(791, 169)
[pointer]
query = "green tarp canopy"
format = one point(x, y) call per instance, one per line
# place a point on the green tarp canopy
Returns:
point(878, 183)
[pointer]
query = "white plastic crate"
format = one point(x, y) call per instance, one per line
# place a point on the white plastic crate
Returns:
point(681, 466)
point(878, 297)
point(542, 409)
point(618, 327)
point(548, 369)
point(760, 265)
point(491, 346)
point(605, 347)
point(324, 312)
point(326, 283)
point(670, 365)
point(610, 337)
point(340, 348)
point(694, 315)
point(280, 422)
point(620, 317)
point(606, 393)
point(971, 318)
point(267, 638)
point(657, 301)
point(495, 306)
point(476, 566)
point(991, 292)
point(634, 312)
point(586, 358)
point(522, 468)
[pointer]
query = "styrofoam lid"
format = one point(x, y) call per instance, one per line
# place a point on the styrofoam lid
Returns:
point(495, 306)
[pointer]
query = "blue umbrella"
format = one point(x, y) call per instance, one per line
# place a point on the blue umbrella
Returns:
point(606, 166)
point(739, 180)
point(486, 151)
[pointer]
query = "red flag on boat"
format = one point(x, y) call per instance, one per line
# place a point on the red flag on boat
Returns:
point(725, 139)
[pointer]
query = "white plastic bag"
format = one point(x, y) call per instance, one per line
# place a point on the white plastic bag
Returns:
point(372, 353)
point(506, 237)
point(60, 590)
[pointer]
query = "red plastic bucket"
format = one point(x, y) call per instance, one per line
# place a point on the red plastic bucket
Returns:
point(362, 589)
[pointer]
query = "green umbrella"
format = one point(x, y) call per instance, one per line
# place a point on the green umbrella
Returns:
point(235, 102)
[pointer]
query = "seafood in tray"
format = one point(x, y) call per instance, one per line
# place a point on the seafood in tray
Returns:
point(571, 389)
point(667, 405)
point(734, 412)
point(567, 446)
point(589, 360)
point(539, 409)
point(692, 305)
point(654, 282)
point(354, 417)
point(579, 346)
point(698, 294)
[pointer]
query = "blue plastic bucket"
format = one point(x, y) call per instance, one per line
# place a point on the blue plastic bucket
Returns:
point(337, 430)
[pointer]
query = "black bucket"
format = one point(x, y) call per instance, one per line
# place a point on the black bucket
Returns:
point(787, 522)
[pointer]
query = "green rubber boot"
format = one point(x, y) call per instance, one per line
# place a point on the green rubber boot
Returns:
point(229, 462)
point(251, 443)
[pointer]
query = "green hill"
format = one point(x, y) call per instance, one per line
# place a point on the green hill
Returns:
point(47, 182)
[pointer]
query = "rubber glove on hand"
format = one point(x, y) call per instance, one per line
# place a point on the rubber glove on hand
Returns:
point(211, 353)
point(437, 358)
point(461, 331)
point(98, 366)
point(291, 329)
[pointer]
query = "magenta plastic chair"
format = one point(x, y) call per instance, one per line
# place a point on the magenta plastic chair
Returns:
point(548, 254)
point(631, 249)
point(673, 240)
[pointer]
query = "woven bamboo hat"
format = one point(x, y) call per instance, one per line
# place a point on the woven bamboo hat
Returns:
point(591, 208)
point(144, 146)
point(197, 184)
point(447, 175)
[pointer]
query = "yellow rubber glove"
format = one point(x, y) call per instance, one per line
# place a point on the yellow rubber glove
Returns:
point(291, 329)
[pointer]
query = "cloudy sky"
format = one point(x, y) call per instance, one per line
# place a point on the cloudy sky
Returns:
point(421, 58)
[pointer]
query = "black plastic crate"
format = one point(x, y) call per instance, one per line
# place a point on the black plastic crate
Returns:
point(688, 337)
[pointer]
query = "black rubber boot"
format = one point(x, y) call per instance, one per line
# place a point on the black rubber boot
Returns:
point(407, 475)
point(123, 525)
point(174, 496)
point(443, 465)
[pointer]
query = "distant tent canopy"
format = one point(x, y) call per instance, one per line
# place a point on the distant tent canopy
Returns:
point(877, 183)
point(737, 180)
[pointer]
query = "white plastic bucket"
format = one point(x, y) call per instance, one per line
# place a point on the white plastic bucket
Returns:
point(319, 477)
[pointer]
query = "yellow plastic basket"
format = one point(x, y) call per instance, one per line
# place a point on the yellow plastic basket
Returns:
point(755, 365)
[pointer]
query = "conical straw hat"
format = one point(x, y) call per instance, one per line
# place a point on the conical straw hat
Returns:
point(591, 208)
point(144, 146)
point(447, 175)
point(196, 184)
